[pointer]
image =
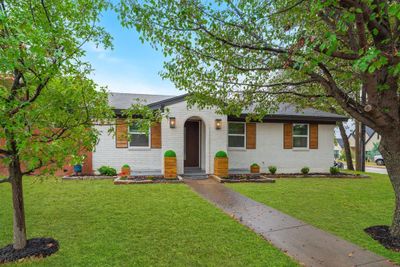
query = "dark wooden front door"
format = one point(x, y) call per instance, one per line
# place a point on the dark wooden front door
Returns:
point(192, 144)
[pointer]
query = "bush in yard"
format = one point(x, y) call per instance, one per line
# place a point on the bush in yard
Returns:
point(305, 170)
point(170, 154)
point(107, 171)
point(221, 154)
point(126, 166)
point(272, 169)
point(255, 165)
point(334, 170)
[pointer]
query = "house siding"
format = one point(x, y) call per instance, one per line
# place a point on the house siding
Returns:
point(270, 151)
point(269, 147)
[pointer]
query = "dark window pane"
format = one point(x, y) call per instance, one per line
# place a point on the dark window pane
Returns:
point(236, 141)
point(300, 129)
point(139, 140)
point(236, 128)
point(300, 141)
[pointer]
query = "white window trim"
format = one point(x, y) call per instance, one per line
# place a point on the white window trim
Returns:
point(301, 135)
point(139, 132)
point(244, 136)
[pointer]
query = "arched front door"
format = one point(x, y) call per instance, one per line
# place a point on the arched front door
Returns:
point(192, 143)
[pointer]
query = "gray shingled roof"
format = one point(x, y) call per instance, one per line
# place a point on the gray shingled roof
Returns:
point(286, 109)
point(124, 100)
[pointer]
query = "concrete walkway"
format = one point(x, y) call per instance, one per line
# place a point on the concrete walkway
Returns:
point(303, 242)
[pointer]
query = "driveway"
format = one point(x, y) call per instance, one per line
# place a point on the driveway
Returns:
point(376, 170)
point(308, 245)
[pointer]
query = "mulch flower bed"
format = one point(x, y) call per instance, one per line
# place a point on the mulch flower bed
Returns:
point(315, 175)
point(88, 177)
point(381, 233)
point(35, 248)
point(146, 180)
point(244, 178)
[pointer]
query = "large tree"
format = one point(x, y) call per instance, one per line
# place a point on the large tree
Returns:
point(47, 105)
point(236, 53)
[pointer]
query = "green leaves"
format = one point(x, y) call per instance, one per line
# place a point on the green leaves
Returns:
point(51, 110)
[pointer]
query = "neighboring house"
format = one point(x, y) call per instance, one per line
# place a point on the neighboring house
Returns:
point(338, 148)
point(371, 137)
point(287, 138)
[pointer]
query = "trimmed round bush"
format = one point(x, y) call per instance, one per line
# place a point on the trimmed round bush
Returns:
point(170, 154)
point(334, 170)
point(272, 169)
point(107, 171)
point(305, 170)
point(221, 154)
point(126, 166)
point(255, 165)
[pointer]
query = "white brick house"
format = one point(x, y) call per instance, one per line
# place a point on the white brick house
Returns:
point(287, 139)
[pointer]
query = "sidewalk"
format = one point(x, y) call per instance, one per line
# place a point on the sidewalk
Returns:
point(306, 244)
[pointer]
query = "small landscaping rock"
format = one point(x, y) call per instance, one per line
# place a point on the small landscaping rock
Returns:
point(35, 248)
point(381, 233)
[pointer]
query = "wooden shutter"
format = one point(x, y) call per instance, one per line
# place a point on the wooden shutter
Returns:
point(313, 143)
point(156, 135)
point(288, 136)
point(121, 133)
point(251, 135)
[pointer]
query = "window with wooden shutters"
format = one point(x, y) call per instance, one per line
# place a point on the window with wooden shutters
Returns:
point(300, 135)
point(156, 135)
point(287, 136)
point(121, 133)
point(138, 137)
point(251, 135)
point(236, 135)
point(313, 136)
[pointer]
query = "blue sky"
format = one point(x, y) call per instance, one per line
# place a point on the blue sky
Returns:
point(131, 67)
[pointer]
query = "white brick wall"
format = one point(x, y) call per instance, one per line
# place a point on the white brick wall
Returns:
point(269, 149)
point(215, 140)
point(139, 159)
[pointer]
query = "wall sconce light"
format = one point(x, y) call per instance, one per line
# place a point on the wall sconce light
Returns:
point(172, 122)
point(218, 124)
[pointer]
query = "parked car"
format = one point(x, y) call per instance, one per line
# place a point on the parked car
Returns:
point(378, 159)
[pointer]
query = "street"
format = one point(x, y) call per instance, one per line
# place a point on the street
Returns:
point(376, 170)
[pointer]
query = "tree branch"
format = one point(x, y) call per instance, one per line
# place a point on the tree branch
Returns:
point(5, 180)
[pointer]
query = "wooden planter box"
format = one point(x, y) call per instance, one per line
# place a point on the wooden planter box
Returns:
point(255, 169)
point(221, 167)
point(170, 167)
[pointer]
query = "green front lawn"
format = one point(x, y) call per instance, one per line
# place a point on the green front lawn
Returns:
point(343, 207)
point(100, 224)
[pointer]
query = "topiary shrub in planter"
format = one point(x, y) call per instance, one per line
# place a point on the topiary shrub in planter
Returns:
point(221, 164)
point(305, 170)
point(107, 171)
point(170, 164)
point(334, 170)
point(125, 170)
point(272, 169)
point(255, 168)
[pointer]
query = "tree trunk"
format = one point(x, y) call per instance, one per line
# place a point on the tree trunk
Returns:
point(346, 144)
point(357, 139)
point(390, 150)
point(18, 204)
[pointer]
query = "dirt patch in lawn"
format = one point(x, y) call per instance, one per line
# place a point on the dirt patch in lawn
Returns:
point(35, 248)
point(381, 233)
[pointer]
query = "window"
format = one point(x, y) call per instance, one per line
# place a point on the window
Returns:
point(300, 135)
point(138, 138)
point(236, 134)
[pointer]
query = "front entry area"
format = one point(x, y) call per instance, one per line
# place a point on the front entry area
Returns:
point(192, 144)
